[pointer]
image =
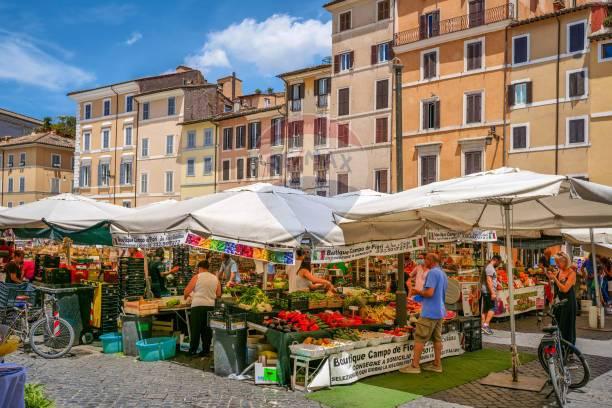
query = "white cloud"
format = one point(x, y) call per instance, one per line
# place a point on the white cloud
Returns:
point(27, 63)
point(277, 44)
point(134, 38)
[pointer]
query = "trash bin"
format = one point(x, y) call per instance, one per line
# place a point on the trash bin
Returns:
point(133, 329)
point(229, 342)
point(12, 385)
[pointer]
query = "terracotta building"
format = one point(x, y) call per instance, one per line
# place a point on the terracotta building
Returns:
point(16, 124)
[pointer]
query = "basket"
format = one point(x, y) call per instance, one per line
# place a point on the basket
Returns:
point(226, 320)
point(112, 343)
point(140, 307)
point(400, 339)
point(317, 304)
point(156, 348)
point(293, 302)
point(307, 350)
point(360, 344)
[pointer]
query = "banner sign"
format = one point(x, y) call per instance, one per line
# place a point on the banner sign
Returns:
point(525, 300)
point(440, 236)
point(159, 240)
point(273, 255)
point(351, 366)
point(470, 298)
point(323, 255)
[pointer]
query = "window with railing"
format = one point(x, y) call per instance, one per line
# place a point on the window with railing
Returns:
point(294, 168)
point(296, 95)
point(322, 90)
point(321, 168)
point(296, 134)
point(320, 131)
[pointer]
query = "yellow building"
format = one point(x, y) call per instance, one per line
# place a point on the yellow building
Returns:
point(559, 106)
point(197, 158)
point(34, 167)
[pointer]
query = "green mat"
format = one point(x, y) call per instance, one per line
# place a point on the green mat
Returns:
point(393, 389)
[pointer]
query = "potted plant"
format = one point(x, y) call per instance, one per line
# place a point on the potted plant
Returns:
point(608, 21)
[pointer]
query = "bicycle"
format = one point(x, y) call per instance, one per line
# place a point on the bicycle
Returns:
point(49, 336)
point(555, 355)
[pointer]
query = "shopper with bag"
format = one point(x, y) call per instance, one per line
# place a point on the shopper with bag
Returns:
point(488, 290)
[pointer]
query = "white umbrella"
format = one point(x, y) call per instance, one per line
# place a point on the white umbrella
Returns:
point(68, 211)
point(506, 198)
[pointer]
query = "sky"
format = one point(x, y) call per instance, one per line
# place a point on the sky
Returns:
point(51, 47)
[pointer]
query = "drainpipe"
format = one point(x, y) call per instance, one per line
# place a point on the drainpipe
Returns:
point(215, 172)
point(505, 109)
point(2, 182)
point(116, 136)
point(557, 95)
point(285, 130)
point(135, 175)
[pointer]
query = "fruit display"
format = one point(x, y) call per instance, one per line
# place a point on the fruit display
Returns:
point(450, 315)
point(292, 322)
point(413, 306)
point(347, 334)
point(254, 299)
point(173, 302)
point(337, 319)
point(399, 331)
point(378, 314)
point(317, 342)
point(279, 283)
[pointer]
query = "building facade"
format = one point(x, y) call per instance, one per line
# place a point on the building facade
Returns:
point(360, 106)
point(197, 158)
point(16, 124)
point(34, 167)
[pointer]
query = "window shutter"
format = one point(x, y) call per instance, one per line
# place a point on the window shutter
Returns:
point(283, 125)
point(327, 85)
point(99, 174)
point(316, 87)
point(324, 127)
point(336, 64)
point(391, 52)
point(351, 59)
point(301, 91)
point(423, 26)
point(425, 115)
point(580, 83)
point(436, 23)
point(382, 177)
point(573, 85)
point(478, 108)
point(529, 96)
point(511, 95)
point(437, 114)
point(122, 173)
point(374, 58)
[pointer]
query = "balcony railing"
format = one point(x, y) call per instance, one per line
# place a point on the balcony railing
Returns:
point(455, 24)
point(295, 105)
point(294, 180)
point(295, 142)
point(322, 101)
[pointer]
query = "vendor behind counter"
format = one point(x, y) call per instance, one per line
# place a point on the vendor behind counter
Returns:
point(158, 273)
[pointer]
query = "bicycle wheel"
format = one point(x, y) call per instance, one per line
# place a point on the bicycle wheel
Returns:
point(557, 380)
point(47, 344)
point(579, 370)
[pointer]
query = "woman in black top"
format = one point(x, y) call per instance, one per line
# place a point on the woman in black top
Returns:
point(564, 282)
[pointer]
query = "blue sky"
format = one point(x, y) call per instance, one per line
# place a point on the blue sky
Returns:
point(49, 48)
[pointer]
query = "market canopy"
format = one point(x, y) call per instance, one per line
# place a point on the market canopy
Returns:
point(602, 238)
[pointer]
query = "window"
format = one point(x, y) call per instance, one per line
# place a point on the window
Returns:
point(240, 169)
point(520, 138)
point(431, 114)
point(322, 90)
point(208, 165)
point(605, 52)
point(576, 37)
point(576, 130)
point(296, 94)
point(519, 93)
point(10, 185)
point(320, 131)
point(296, 134)
point(145, 111)
point(254, 135)
point(343, 135)
point(191, 139)
point(9, 204)
point(86, 141)
point(321, 167)
point(144, 183)
point(343, 101)
point(429, 68)
point(381, 53)
point(472, 162)
point(344, 21)
point(266, 102)
point(22, 159)
point(252, 167)
point(342, 183)
point(10, 161)
point(476, 13)
point(106, 107)
point(169, 144)
point(228, 136)
point(84, 175)
point(382, 130)
point(276, 133)
point(105, 138)
point(382, 94)
point(520, 49)
point(56, 161)
point(429, 169)
point(190, 167)
point(125, 171)
point(240, 137)
point(87, 109)
point(321, 193)
point(429, 25)
point(383, 11)
point(294, 167)
point(225, 174)
point(473, 55)
point(473, 108)
point(346, 61)
point(127, 136)
point(145, 147)
point(576, 83)
point(129, 103)
point(208, 137)
point(276, 165)
point(169, 182)
point(126, 204)
point(55, 186)
point(171, 106)
point(381, 183)
point(104, 173)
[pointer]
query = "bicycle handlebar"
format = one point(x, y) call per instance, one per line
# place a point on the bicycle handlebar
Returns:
point(555, 306)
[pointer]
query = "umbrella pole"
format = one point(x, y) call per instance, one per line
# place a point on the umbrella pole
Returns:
point(510, 267)
point(595, 278)
point(400, 296)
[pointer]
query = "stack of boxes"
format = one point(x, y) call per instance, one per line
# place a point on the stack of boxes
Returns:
point(110, 307)
point(180, 258)
point(471, 333)
point(131, 277)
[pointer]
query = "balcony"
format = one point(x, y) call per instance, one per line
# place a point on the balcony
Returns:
point(295, 142)
point(295, 105)
point(455, 24)
point(322, 101)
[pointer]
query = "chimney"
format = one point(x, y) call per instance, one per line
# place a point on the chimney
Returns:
point(233, 85)
point(183, 68)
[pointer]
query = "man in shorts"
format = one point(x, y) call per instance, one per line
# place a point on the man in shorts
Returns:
point(429, 325)
point(489, 293)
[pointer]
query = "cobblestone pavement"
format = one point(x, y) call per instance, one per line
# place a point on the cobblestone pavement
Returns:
point(92, 379)
point(596, 394)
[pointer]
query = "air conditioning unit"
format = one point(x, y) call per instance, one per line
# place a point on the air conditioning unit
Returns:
point(56, 165)
point(21, 164)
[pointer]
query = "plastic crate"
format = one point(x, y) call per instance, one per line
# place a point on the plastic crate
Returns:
point(289, 302)
point(227, 320)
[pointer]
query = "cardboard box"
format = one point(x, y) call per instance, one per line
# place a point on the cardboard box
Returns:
point(265, 375)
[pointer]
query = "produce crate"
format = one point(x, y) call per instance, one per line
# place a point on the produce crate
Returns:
point(224, 319)
point(472, 339)
point(140, 307)
point(451, 325)
point(317, 304)
point(334, 302)
point(295, 302)
point(466, 324)
point(258, 318)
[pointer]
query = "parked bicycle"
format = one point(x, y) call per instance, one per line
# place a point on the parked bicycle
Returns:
point(563, 362)
point(49, 335)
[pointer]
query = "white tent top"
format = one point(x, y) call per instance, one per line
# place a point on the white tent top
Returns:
point(65, 210)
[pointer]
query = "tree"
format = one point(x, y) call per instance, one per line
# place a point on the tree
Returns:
point(257, 91)
point(47, 124)
point(66, 125)
point(270, 91)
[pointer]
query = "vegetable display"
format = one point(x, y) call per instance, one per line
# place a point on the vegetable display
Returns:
point(347, 334)
point(173, 302)
point(254, 299)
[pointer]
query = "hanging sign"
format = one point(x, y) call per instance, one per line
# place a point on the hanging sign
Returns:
point(159, 240)
point(272, 255)
point(525, 300)
point(439, 236)
point(470, 292)
point(325, 255)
